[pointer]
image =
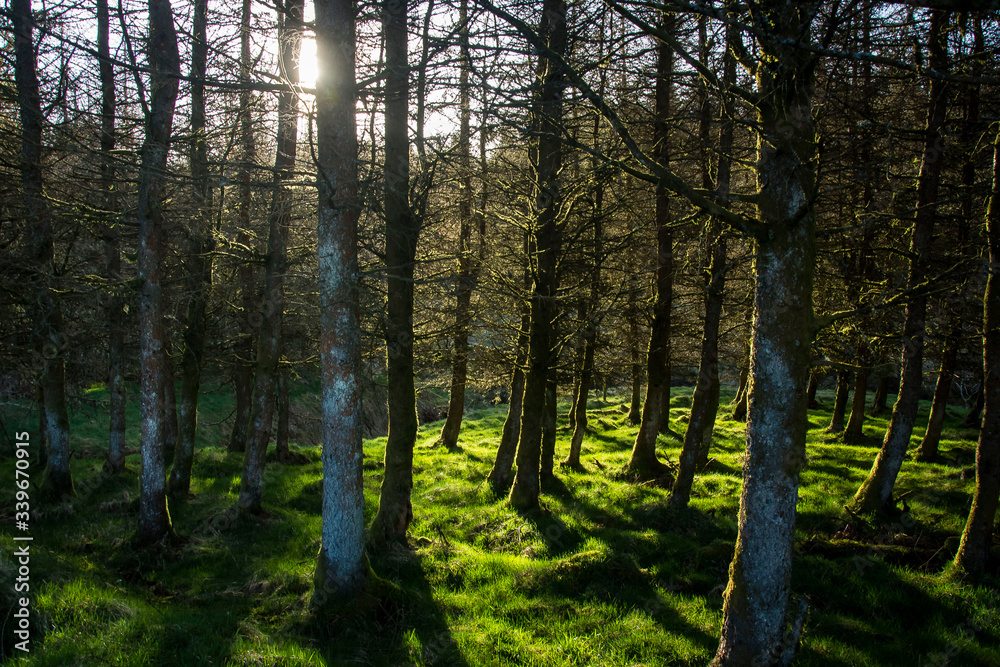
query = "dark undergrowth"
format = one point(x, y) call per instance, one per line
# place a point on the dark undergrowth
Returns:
point(605, 574)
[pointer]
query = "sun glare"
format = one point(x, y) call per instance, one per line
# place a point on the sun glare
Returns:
point(308, 69)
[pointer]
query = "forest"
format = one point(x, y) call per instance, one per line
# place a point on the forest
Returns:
point(496, 332)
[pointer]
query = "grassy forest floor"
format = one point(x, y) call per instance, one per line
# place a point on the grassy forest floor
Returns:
point(605, 575)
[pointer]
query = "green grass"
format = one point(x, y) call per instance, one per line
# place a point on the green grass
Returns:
point(604, 575)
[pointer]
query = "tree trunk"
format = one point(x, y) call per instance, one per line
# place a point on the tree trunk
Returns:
point(549, 418)
point(402, 229)
point(974, 549)
point(881, 397)
point(814, 379)
point(500, 476)
point(276, 265)
point(170, 425)
point(198, 269)
point(281, 451)
point(164, 62)
point(643, 463)
point(547, 231)
point(739, 412)
point(756, 599)
point(705, 399)
point(467, 270)
point(48, 337)
point(840, 402)
point(635, 402)
point(875, 493)
point(855, 424)
point(974, 418)
point(928, 450)
point(341, 568)
point(243, 363)
point(114, 309)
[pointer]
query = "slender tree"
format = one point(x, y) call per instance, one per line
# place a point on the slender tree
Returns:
point(164, 63)
point(243, 361)
point(468, 267)
point(276, 264)
point(705, 399)
point(198, 268)
point(341, 567)
point(47, 335)
point(977, 537)
point(115, 305)
point(402, 230)
point(546, 229)
point(875, 493)
point(643, 462)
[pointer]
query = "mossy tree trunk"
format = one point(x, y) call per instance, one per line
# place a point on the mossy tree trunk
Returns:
point(756, 599)
point(276, 264)
point(875, 493)
point(341, 570)
point(974, 549)
point(164, 62)
point(402, 229)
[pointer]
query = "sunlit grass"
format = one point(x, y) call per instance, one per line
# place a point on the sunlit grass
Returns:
point(604, 575)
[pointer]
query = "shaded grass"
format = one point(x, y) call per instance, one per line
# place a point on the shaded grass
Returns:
point(604, 574)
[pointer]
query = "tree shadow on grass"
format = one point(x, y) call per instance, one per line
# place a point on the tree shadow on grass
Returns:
point(385, 634)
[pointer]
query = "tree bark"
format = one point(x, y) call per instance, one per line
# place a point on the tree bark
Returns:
point(643, 463)
point(756, 599)
point(341, 569)
point(164, 63)
point(635, 403)
point(547, 232)
point(974, 549)
point(928, 450)
point(875, 493)
point(276, 265)
point(198, 269)
point(114, 306)
point(840, 402)
point(47, 335)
